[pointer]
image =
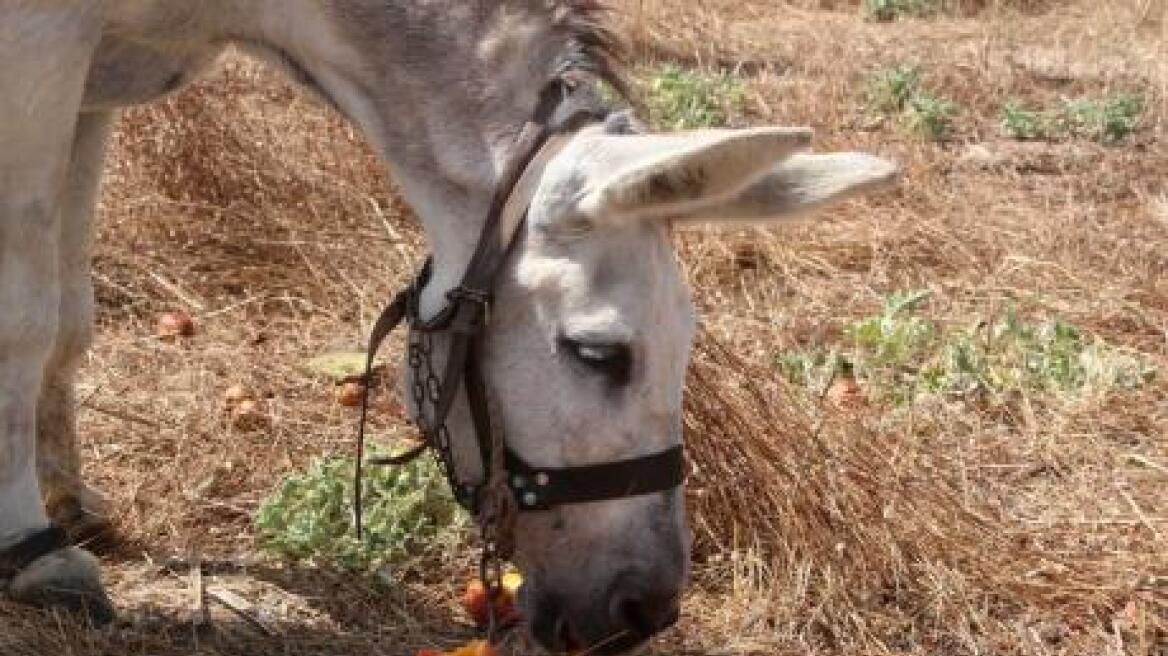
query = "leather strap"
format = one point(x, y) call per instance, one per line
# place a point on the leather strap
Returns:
point(27, 551)
point(471, 301)
point(542, 489)
point(387, 322)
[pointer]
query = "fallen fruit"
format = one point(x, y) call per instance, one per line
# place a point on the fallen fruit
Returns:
point(474, 601)
point(512, 582)
point(349, 393)
point(249, 415)
point(473, 648)
point(175, 324)
point(845, 392)
point(237, 394)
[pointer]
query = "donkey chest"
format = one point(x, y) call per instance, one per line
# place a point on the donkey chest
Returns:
point(126, 72)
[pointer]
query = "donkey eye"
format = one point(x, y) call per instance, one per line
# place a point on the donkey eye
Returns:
point(613, 360)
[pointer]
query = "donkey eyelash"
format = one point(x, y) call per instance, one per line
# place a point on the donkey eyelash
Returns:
point(614, 360)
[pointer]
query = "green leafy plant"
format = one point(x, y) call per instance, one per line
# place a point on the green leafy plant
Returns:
point(1021, 122)
point(897, 90)
point(890, 89)
point(931, 116)
point(896, 334)
point(1107, 121)
point(407, 510)
point(814, 369)
point(683, 99)
point(1054, 356)
point(898, 355)
point(888, 10)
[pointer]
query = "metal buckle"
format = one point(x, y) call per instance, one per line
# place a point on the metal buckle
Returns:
point(481, 298)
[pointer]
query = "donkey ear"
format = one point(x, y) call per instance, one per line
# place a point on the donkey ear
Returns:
point(800, 184)
point(674, 175)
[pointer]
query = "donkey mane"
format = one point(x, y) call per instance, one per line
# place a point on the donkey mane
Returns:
point(594, 47)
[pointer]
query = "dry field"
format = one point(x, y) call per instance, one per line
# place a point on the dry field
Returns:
point(1033, 522)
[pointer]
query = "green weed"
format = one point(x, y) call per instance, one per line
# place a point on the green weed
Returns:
point(898, 355)
point(931, 116)
point(891, 89)
point(407, 511)
point(894, 336)
point(1020, 122)
point(888, 10)
point(1107, 121)
point(897, 90)
point(684, 99)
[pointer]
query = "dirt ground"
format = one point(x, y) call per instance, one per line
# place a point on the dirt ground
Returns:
point(1035, 526)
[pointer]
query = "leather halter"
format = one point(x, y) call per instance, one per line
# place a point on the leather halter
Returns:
point(464, 319)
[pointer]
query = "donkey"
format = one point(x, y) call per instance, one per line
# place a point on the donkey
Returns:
point(588, 341)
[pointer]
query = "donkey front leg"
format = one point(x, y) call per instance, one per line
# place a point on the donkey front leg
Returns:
point(71, 503)
point(45, 50)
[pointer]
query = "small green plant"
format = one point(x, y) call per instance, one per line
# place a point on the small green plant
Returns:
point(895, 335)
point(1107, 121)
point(683, 99)
point(898, 355)
point(406, 510)
point(890, 89)
point(897, 90)
point(931, 116)
point(1021, 122)
point(1010, 355)
point(888, 10)
point(814, 369)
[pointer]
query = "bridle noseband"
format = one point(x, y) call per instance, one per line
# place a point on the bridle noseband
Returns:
point(510, 483)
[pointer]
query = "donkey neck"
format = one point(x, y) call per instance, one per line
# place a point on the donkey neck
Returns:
point(441, 88)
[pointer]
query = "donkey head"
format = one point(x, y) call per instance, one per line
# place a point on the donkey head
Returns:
point(587, 351)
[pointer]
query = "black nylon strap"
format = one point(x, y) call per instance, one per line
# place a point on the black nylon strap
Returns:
point(542, 489)
point(24, 553)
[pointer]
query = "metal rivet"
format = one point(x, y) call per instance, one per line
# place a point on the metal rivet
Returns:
point(541, 479)
point(518, 482)
point(530, 499)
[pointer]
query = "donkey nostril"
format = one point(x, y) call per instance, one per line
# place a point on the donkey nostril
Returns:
point(643, 616)
point(550, 626)
point(632, 617)
point(564, 639)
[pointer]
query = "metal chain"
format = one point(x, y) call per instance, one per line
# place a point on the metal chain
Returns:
point(498, 509)
point(426, 386)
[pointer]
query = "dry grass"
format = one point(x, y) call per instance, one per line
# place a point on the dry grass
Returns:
point(960, 527)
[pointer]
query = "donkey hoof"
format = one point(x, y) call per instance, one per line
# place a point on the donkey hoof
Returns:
point(83, 512)
point(67, 578)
